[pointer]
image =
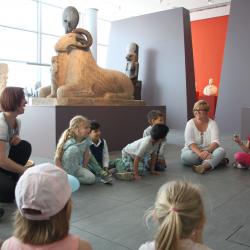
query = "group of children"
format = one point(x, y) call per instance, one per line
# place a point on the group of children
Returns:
point(43, 212)
point(83, 153)
point(42, 219)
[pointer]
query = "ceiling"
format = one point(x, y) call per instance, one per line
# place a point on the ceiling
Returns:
point(119, 9)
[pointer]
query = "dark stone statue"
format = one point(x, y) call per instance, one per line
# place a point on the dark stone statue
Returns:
point(70, 19)
point(132, 69)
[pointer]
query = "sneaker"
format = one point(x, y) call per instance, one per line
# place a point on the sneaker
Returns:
point(199, 169)
point(224, 162)
point(1, 212)
point(106, 177)
point(238, 165)
point(125, 176)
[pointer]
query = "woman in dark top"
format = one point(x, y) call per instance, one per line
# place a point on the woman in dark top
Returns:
point(14, 152)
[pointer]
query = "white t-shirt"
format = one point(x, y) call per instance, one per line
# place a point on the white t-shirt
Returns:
point(141, 147)
point(186, 244)
point(163, 145)
point(203, 140)
point(6, 132)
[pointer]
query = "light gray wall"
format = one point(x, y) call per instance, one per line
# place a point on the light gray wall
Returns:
point(38, 126)
point(235, 80)
point(165, 59)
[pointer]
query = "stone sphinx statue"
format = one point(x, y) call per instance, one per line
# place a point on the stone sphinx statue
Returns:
point(3, 76)
point(75, 73)
point(210, 89)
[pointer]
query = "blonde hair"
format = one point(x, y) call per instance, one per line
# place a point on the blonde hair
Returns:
point(43, 232)
point(74, 123)
point(201, 104)
point(179, 211)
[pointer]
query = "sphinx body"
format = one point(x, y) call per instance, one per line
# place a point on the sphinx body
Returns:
point(76, 74)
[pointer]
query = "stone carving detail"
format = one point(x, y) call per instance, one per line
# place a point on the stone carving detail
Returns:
point(76, 74)
point(210, 89)
point(3, 76)
point(70, 19)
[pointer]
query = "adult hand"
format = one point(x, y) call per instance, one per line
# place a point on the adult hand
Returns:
point(204, 155)
point(15, 140)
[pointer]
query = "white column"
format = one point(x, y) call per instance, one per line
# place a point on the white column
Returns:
point(90, 24)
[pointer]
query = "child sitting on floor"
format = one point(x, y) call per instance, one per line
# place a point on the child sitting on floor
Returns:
point(42, 220)
point(72, 153)
point(98, 148)
point(133, 154)
point(179, 212)
point(156, 117)
point(242, 159)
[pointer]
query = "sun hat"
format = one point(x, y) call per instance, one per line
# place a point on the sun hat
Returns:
point(44, 188)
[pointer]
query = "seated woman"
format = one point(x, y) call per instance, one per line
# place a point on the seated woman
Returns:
point(14, 152)
point(242, 159)
point(202, 146)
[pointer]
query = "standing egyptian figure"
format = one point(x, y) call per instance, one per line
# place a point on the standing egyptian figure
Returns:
point(132, 67)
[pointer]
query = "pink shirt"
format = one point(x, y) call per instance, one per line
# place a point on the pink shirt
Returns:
point(70, 242)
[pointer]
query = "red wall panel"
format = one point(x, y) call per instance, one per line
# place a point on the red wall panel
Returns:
point(208, 38)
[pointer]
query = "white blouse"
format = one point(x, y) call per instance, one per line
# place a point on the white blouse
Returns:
point(202, 139)
point(185, 244)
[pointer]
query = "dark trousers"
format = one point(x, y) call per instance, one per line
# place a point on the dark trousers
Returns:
point(19, 154)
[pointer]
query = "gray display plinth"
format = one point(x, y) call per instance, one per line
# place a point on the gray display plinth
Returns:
point(120, 125)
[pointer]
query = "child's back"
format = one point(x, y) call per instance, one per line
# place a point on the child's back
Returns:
point(43, 198)
point(179, 211)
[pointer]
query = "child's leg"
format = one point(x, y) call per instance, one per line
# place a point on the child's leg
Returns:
point(124, 164)
point(242, 158)
point(94, 166)
point(85, 176)
point(72, 160)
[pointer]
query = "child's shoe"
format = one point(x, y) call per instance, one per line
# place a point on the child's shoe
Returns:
point(238, 165)
point(199, 169)
point(106, 178)
point(224, 162)
point(125, 176)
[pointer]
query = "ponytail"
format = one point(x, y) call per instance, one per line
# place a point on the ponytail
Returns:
point(169, 232)
point(180, 213)
point(64, 137)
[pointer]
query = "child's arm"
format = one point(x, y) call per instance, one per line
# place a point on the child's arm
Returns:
point(105, 155)
point(153, 162)
point(86, 157)
point(245, 148)
point(136, 164)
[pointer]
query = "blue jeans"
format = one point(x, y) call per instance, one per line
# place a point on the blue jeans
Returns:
point(188, 157)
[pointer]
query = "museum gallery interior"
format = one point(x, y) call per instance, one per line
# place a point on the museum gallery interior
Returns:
point(112, 63)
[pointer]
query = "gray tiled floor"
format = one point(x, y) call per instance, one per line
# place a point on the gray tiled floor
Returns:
point(111, 216)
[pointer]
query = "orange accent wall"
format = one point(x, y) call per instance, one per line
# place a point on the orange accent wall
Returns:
point(208, 38)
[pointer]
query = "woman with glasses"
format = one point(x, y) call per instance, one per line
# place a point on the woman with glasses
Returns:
point(202, 148)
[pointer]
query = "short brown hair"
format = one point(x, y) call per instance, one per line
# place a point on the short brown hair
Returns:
point(201, 104)
point(11, 98)
point(153, 115)
point(43, 232)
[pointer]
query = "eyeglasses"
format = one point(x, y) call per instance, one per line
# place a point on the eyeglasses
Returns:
point(200, 110)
